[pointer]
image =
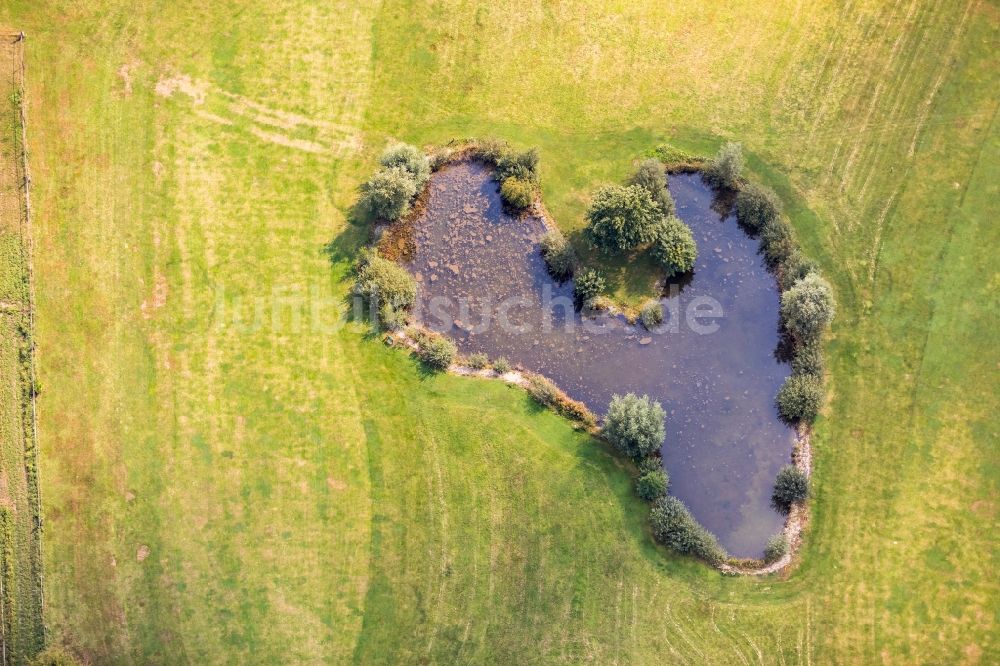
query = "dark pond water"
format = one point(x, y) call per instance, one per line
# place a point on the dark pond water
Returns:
point(484, 283)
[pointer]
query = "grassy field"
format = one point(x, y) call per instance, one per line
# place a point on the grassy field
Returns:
point(21, 627)
point(216, 490)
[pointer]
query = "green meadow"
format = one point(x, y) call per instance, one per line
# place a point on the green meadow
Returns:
point(227, 484)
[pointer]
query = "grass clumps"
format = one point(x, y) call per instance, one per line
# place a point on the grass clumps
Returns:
point(726, 168)
point(800, 398)
point(635, 425)
point(560, 258)
point(790, 486)
point(756, 205)
point(478, 361)
point(651, 315)
point(502, 365)
point(674, 527)
point(674, 246)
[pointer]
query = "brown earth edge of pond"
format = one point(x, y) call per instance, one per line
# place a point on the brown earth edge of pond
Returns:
point(395, 242)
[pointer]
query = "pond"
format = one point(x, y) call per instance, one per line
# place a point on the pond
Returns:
point(712, 364)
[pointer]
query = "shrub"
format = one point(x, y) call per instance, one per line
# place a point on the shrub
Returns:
point(808, 307)
point(546, 393)
point(756, 205)
point(776, 241)
point(777, 547)
point(635, 425)
point(652, 177)
point(790, 486)
point(501, 365)
point(384, 283)
point(651, 315)
point(560, 258)
point(520, 165)
point(489, 150)
point(478, 361)
point(436, 351)
point(410, 158)
point(793, 268)
point(388, 192)
point(588, 286)
point(800, 398)
point(674, 527)
point(808, 360)
point(622, 217)
point(543, 391)
point(391, 318)
point(650, 464)
point(517, 193)
point(652, 484)
point(674, 247)
point(725, 169)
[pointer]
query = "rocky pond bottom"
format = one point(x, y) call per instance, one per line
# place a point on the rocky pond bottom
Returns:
point(483, 282)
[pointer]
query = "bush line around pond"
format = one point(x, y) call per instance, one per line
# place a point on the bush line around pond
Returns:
point(635, 217)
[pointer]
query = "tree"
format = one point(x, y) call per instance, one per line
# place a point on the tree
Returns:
point(436, 351)
point(410, 158)
point(559, 255)
point(674, 526)
point(622, 217)
point(634, 425)
point(808, 360)
point(725, 169)
point(777, 547)
point(800, 398)
point(652, 177)
point(674, 247)
point(790, 486)
point(517, 193)
point(588, 286)
point(808, 307)
point(388, 192)
point(651, 315)
point(520, 165)
point(53, 656)
point(652, 484)
point(384, 283)
point(756, 205)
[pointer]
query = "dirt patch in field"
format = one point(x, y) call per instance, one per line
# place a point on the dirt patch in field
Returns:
point(141, 553)
point(157, 299)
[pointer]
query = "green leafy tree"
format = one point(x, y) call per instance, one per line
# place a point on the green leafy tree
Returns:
point(674, 526)
point(756, 205)
point(410, 158)
point(517, 193)
point(652, 177)
point(560, 258)
point(652, 484)
point(588, 286)
point(790, 486)
point(388, 193)
point(726, 168)
point(634, 425)
point(651, 315)
point(777, 547)
point(622, 218)
point(674, 246)
point(800, 398)
point(808, 307)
